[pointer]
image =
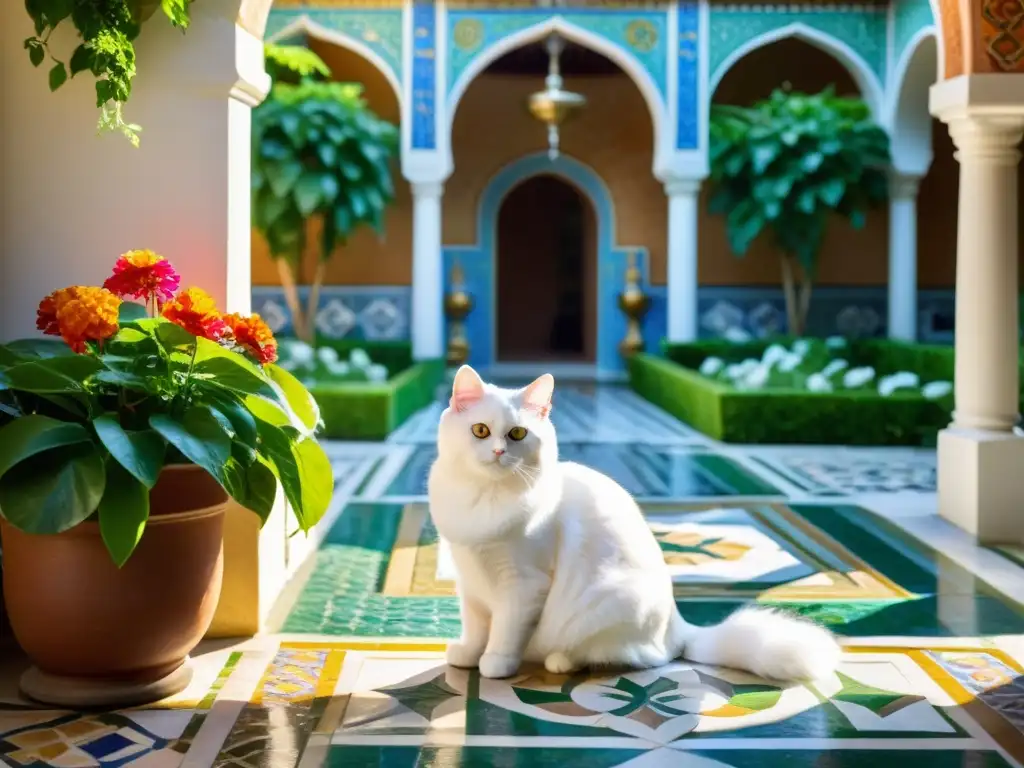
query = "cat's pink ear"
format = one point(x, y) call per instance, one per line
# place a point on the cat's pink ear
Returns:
point(467, 390)
point(537, 396)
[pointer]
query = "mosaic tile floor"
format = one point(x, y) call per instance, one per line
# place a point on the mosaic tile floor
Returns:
point(932, 627)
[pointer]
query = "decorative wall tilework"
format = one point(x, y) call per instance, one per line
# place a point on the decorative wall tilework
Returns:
point(380, 30)
point(862, 28)
point(424, 80)
point(382, 312)
point(373, 313)
point(641, 33)
point(688, 77)
point(908, 18)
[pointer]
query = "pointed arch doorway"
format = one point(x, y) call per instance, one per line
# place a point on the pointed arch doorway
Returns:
point(547, 273)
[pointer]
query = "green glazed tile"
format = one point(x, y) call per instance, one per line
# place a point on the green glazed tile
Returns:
point(343, 756)
point(903, 558)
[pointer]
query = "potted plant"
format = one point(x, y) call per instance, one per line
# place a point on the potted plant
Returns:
point(119, 448)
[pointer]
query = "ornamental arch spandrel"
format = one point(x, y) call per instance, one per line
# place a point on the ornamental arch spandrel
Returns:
point(982, 36)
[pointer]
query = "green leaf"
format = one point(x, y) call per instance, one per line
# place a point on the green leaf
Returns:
point(140, 452)
point(282, 176)
point(53, 375)
point(36, 54)
point(129, 311)
point(39, 348)
point(129, 336)
point(54, 491)
point(242, 422)
point(176, 11)
point(308, 193)
point(172, 336)
point(123, 512)
point(316, 479)
point(58, 76)
point(199, 436)
point(254, 487)
point(232, 375)
point(28, 436)
point(267, 411)
point(82, 59)
point(296, 395)
point(126, 380)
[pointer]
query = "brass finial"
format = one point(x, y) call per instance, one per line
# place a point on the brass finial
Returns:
point(457, 305)
point(634, 303)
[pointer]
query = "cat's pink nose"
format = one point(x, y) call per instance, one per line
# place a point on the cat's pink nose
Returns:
point(498, 451)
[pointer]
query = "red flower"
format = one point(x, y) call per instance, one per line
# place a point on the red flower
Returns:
point(143, 274)
point(195, 311)
point(254, 336)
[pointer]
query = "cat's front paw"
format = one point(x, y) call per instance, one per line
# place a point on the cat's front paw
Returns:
point(462, 655)
point(495, 666)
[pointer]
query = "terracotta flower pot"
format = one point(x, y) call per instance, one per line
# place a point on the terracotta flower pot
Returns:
point(103, 636)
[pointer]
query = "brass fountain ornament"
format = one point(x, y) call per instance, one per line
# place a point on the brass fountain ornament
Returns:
point(634, 303)
point(457, 305)
point(554, 105)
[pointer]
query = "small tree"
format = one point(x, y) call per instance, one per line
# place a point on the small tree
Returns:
point(787, 164)
point(318, 152)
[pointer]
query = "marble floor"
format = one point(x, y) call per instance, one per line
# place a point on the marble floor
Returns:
point(932, 627)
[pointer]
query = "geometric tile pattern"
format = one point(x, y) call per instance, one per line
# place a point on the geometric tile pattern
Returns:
point(373, 313)
point(397, 704)
point(156, 737)
point(382, 572)
point(848, 475)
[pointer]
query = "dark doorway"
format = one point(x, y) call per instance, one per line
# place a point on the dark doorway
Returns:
point(546, 273)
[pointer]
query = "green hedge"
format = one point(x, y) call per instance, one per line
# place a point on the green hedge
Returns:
point(797, 416)
point(372, 410)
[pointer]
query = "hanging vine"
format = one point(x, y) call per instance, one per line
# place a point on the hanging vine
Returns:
point(107, 29)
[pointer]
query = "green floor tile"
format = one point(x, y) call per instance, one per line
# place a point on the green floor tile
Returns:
point(343, 594)
point(342, 756)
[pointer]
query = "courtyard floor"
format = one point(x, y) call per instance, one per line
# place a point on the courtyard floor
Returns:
point(934, 636)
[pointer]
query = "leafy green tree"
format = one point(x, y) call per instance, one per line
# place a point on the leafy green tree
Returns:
point(318, 152)
point(786, 165)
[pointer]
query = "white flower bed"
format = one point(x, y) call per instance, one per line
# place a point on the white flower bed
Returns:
point(311, 365)
point(816, 367)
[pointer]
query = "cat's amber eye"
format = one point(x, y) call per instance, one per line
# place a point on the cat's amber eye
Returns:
point(481, 431)
point(517, 433)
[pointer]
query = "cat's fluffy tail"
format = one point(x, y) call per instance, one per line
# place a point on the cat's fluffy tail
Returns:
point(766, 642)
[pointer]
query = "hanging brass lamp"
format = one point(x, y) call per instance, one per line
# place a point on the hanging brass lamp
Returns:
point(554, 105)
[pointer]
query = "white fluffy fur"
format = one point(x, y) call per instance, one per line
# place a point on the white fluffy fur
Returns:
point(556, 564)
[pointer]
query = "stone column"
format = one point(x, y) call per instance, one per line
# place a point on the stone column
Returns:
point(683, 194)
point(903, 256)
point(427, 322)
point(981, 482)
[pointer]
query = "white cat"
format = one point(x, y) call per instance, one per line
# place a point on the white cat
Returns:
point(556, 564)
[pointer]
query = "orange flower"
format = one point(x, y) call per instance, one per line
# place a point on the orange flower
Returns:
point(88, 314)
point(46, 315)
point(195, 311)
point(254, 335)
point(143, 274)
